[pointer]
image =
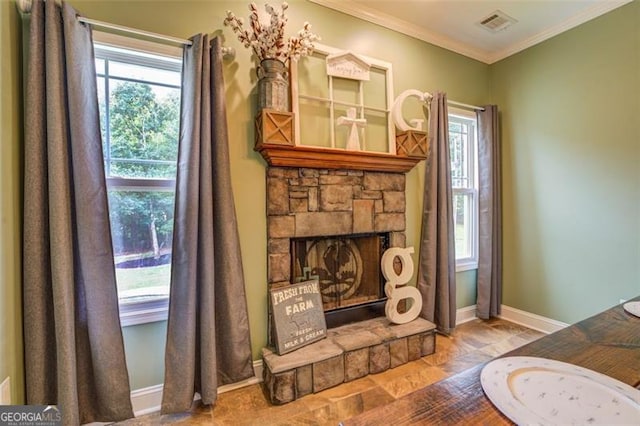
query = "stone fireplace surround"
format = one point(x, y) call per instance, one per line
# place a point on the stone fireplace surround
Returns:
point(305, 202)
point(309, 202)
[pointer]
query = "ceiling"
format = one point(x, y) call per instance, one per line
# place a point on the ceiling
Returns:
point(454, 24)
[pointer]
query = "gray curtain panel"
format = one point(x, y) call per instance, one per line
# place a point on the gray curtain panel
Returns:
point(490, 215)
point(74, 354)
point(437, 265)
point(208, 341)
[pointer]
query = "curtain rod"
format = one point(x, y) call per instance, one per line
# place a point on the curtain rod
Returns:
point(461, 105)
point(117, 27)
point(227, 52)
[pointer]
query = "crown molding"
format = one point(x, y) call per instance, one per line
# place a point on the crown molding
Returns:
point(399, 25)
point(379, 18)
point(598, 9)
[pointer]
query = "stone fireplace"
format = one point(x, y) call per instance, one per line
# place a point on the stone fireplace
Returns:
point(334, 225)
point(331, 214)
point(332, 220)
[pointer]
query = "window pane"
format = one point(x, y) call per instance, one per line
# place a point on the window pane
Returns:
point(312, 75)
point(375, 93)
point(345, 90)
point(462, 207)
point(144, 126)
point(316, 130)
point(461, 166)
point(102, 107)
point(139, 116)
point(457, 156)
point(99, 66)
point(462, 149)
point(375, 132)
point(455, 127)
point(141, 229)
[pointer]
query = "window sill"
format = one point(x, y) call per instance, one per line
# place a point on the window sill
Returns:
point(136, 313)
point(466, 265)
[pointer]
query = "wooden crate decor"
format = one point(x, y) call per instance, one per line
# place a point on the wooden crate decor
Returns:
point(274, 127)
point(412, 144)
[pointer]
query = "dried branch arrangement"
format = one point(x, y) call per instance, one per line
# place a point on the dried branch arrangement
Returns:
point(267, 41)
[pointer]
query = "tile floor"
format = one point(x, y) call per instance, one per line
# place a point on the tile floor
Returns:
point(472, 343)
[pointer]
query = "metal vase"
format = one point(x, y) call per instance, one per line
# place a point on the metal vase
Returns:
point(273, 86)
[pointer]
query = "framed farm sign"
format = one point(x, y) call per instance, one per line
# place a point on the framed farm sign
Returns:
point(342, 100)
point(298, 316)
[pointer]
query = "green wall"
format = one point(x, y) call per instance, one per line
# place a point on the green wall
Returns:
point(11, 363)
point(415, 65)
point(571, 168)
point(466, 288)
point(144, 350)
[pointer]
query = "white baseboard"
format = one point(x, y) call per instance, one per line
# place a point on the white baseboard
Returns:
point(257, 378)
point(466, 314)
point(533, 321)
point(148, 400)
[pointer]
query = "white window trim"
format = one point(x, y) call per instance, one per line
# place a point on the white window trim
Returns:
point(135, 313)
point(470, 263)
point(142, 46)
point(157, 309)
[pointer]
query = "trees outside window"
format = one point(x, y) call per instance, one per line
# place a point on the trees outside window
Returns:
point(143, 143)
point(139, 96)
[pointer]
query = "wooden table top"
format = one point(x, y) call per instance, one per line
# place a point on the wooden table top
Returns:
point(608, 343)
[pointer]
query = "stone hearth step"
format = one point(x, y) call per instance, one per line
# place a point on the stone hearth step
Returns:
point(348, 353)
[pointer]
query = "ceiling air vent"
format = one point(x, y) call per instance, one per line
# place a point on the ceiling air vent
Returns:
point(497, 21)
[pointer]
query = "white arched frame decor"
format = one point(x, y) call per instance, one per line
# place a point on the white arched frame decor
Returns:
point(323, 97)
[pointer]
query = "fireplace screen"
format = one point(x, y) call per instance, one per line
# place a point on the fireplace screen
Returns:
point(348, 268)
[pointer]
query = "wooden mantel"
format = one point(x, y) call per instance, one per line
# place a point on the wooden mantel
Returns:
point(275, 142)
point(327, 158)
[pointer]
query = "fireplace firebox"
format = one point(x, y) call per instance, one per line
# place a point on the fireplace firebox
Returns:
point(347, 268)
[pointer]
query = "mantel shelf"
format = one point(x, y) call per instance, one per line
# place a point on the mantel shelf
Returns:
point(325, 158)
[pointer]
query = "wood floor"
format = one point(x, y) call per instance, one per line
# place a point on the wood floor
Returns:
point(471, 344)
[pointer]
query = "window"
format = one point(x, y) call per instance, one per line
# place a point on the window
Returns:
point(463, 148)
point(139, 98)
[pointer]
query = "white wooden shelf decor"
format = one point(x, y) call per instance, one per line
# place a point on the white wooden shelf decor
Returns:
point(334, 103)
